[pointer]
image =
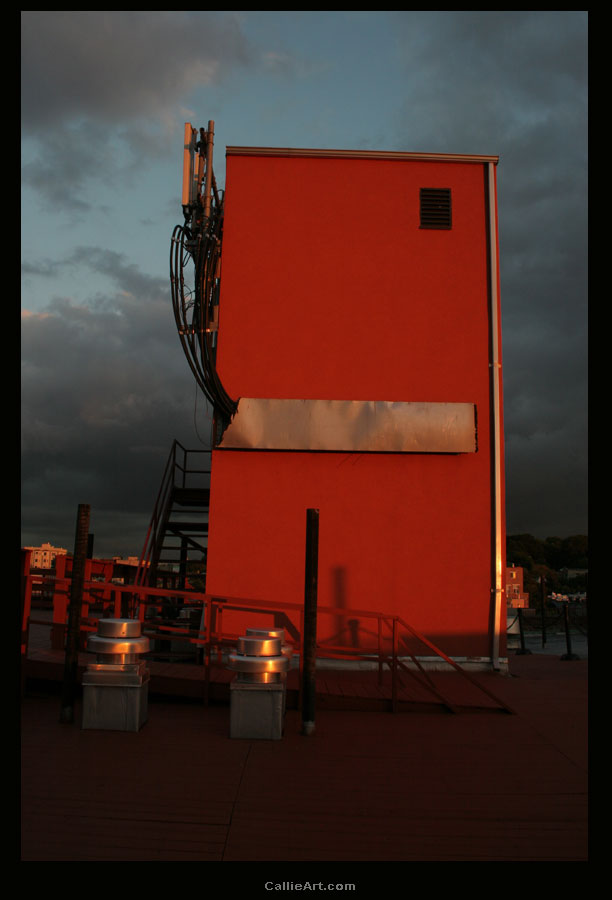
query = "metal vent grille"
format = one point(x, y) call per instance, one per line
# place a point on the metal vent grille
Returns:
point(436, 208)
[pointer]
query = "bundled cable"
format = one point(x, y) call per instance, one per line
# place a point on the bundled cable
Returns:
point(195, 255)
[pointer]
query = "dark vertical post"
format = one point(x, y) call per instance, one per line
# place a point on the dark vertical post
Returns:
point(26, 603)
point(208, 623)
point(74, 614)
point(309, 637)
point(394, 668)
point(523, 650)
point(543, 607)
point(125, 605)
point(568, 640)
point(183, 564)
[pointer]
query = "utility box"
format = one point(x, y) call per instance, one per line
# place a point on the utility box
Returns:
point(359, 332)
point(256, 711)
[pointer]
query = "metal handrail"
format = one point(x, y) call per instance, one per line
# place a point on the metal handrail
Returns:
point(162, 506)
point(453, 663)
point(213, 638)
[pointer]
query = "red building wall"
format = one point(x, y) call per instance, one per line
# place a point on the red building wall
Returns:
point(331, 290)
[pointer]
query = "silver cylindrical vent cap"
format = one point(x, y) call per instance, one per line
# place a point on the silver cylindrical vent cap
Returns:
point(118, 641)
point(258, 658)
point(114, 645)
point(286, 649)
point(256, 664)
point(250, 645)
point(267, 632)
point(119, 628)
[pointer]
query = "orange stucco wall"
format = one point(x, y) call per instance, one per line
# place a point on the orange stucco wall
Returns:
point(330, 290)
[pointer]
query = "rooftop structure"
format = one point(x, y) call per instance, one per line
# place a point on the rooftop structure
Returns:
point(345, 325)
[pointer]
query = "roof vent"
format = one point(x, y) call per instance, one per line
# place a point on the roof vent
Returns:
point(436, 208)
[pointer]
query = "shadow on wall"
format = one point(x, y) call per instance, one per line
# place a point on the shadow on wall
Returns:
point(347, 631)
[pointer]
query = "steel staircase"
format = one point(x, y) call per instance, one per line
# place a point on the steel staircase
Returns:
point(178, 533)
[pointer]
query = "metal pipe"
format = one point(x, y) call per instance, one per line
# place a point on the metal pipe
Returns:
point(495, 365)
point(568, 641)
point(198, 175)
point(208, 179)
point(26, 605)
point(187, 194)
point(543, 608)
point(394, 667)
point(523, 650)
point(309, 636)
point(74, 614)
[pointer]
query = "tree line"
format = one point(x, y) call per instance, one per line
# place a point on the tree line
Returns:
point(546, 558)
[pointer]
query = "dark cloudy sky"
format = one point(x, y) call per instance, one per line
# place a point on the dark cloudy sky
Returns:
point(105, 94)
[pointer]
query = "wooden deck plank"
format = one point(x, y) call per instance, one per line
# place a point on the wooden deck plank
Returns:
point(367, 786)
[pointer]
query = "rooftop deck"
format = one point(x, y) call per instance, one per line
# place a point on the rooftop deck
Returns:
point(368, 786)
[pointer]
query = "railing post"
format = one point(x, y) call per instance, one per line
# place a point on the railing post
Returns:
point(74, 615)
point(543, 607)
point(125, 604)
point(26, 603)
point(116, 603)
point(523, 651)
point(218, 628)
point(60, 604)
point(568, 641)
point(86, 599)
point(301, 660)
point(207, 646)
point(394, 668)
point(183, 564)
point(141, 605)
point(309, 640)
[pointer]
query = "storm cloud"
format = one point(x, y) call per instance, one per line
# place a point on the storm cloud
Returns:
point(105, 387)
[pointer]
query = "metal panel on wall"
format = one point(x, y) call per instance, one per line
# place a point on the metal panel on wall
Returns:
point(359, 426)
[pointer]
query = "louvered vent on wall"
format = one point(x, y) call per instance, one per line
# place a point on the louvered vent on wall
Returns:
point(436, 208)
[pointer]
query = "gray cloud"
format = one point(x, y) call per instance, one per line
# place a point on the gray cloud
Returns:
point(105, 390)
point(71, 156)
point(114, 66)
point(515, 84)
point(546, 474)
point(102, 89)
point(97, 101)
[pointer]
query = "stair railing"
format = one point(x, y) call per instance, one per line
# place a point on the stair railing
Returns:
point(160, 512)
point(175, 475)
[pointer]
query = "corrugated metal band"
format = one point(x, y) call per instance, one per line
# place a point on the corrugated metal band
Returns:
point(362, 426)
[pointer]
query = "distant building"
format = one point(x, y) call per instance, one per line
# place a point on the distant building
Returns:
point(516, 598)
point(124, 570)
point(117, 569)
point(43, 557)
